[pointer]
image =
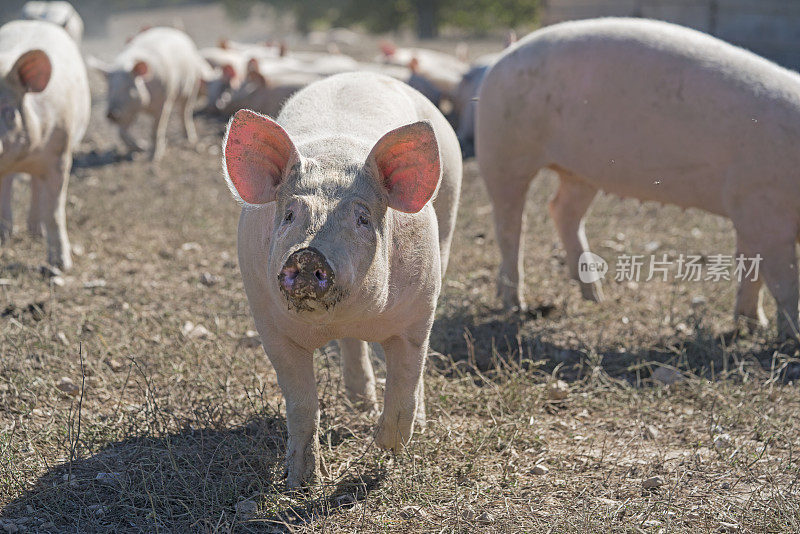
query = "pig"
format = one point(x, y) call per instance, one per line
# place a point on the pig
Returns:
point(653, 111)
point(44, 112)
point(349, 202)
point(465, 97)
point(227, 70)
point(441, 70)
point(264, 95)
point(59, 13)
point(158, 69)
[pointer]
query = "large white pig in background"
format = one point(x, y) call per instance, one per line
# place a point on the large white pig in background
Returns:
point(159, 68)
point(44, 112)
point(653, 111)
point(338, 238)
point(59, 13)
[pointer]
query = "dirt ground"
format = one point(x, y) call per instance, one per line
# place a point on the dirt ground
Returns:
point(133, 398)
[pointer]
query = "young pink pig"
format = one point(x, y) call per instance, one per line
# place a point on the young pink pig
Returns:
point(44, 112)
point(158, 69)
point(343, 235)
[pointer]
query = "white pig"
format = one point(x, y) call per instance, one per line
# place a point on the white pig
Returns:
point(158, 69)
point(654, 111)
point(339, 239)
point(44, 112)
point(59, 13)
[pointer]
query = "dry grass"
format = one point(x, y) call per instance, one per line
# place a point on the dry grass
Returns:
point(175, 433)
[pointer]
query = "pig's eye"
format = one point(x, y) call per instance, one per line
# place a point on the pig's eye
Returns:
point(289, 217)
point(362, 220)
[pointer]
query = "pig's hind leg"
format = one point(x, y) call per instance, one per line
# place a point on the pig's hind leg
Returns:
point(774, 238)
point(159, 135)
point(508, 206)
point(357, 372)
point(186, 108)
point(567, 209)
point(749, 295)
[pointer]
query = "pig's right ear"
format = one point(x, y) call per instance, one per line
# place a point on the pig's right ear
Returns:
point(257, 154)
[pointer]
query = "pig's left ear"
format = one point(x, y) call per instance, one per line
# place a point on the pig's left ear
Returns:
point(31, 71)
point(257, 154)
point(408, 165)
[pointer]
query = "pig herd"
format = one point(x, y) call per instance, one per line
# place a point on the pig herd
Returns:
point(349, 194)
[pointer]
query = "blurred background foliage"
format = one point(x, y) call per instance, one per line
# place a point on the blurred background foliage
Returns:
point(426, 17)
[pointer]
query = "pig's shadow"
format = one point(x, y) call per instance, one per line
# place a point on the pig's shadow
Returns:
point(491, 339)
point(100, 158)
point(185, 481)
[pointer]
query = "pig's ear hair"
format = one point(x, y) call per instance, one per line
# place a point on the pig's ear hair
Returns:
point(408, 165)
point(257, 154)
point(31, 72)
point(140, 68)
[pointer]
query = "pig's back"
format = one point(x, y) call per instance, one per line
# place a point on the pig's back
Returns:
point(359, 106)
point(65, 104)
point(172, 54)
point(635, 103)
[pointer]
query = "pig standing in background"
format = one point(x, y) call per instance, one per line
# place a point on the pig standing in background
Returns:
point(158, 69)
point(653, 111)
point(44, 112)
point(339, 239)
point(59, 13)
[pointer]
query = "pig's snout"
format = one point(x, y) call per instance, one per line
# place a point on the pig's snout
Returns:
point(306, 275)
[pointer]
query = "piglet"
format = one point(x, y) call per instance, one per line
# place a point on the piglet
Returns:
point(44, 112)
point(348, 200)
point(159, 68)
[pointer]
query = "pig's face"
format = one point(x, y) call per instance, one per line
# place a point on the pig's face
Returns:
point(328, 235)
point(23, 74)
point(127, 93)
point(330, 241)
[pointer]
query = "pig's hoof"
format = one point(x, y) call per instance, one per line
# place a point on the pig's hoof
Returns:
point(62, 261)
point(592, 292)
point(391, 438)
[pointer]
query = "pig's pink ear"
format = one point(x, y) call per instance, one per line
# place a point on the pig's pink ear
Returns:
point(140, 68)
point(407, 160)
point(257, 154)
point(32, 71)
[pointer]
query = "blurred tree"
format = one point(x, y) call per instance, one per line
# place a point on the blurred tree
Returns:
point(427, 16)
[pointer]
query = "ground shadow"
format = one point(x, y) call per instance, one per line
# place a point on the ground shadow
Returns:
point(198, 479)
point(99, 158)
point(492, 338)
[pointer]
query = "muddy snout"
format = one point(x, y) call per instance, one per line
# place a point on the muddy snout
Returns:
point(306, 275)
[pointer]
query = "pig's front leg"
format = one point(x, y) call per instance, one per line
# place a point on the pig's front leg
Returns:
point(159, 135)
point(405, 360)
point(186, 108)
point(53, 211)
point(294, 368)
